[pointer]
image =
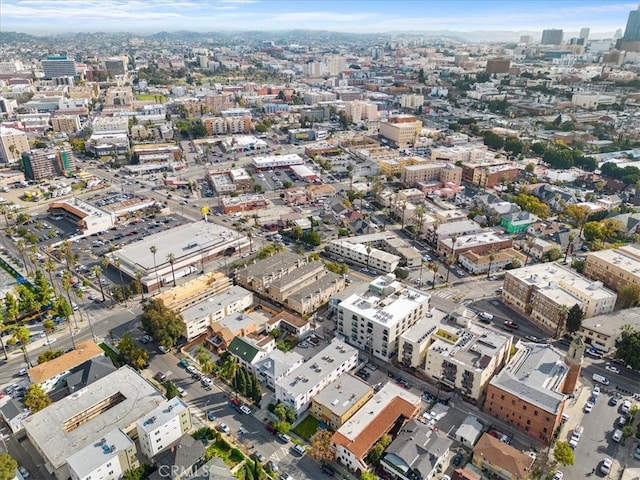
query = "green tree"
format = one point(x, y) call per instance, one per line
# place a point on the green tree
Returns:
point(628, 296)
point(574, 319)
point(49, 355)
point(131, 354)
point(43, 290)
point(375, 454)
point(26, 300)
point(170, 390)
point(204, 359)
point(628, 347)
point(11, 309)
point(368, 476)
point(563, 453)
point(8, 467)
point(163, 324)
point(552, 255)
point(21, 335)
point(578, 214)
point(36, 398)
point(321, 447)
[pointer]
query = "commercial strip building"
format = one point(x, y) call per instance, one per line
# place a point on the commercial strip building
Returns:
point(242, 203)
point(301, 385)
point(390, 408)
point(193, 246)
point(455, 351)
point(615, 268)
point(65, 427)
point(87, 218)
point(340, 400)
point(277, 161)
point(375, 319)
point(540, 290)
point(291, 280)
point(531, 391)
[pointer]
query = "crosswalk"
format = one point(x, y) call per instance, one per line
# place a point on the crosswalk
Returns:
point(446, 293)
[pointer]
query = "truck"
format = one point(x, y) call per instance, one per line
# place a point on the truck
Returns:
point(600, 379)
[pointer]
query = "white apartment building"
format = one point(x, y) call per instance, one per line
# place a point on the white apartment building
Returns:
point(366, 255)
point(162, 426)
point(110, 125)
point(277, 365)
point(298, 387)
point(199, 317)
point(106, 459)
point(472, 153)
point(12, 143)
point(375, 319)
point(540, 290)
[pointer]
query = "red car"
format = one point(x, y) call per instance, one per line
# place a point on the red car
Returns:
point(235, 401)
point(510, 324)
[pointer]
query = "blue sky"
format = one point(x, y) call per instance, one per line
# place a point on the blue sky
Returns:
point(358, 16)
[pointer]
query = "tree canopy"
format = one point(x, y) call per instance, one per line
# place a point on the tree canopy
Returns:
point(628, 296)
point(564, 453)
point(36, 398)
point(131, 354)
point(628, 347)
point(574, 319)
point(8, 467)
point(163, 324)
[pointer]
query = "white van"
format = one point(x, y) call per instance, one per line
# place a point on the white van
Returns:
point(600, 379)
point(625, 407)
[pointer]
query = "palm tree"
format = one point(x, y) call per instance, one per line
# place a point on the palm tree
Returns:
point(48, 325)
point(118, 263)
point(403, 206)
point(369, 248)
point(250, 237)
point(21, 247)
point(50, 266)
point(139, 273)
point(530, 244)
point(569, 249)
point(419, 215)
point(66, 286)
point(97, 271)
point(563, 313)
point(492, 256)
point(171, 258)
point(434, 267)
point(451, 258)
point(153, 249)
point(4, 349)
point(22, 334)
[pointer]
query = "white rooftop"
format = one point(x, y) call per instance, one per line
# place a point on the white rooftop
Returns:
point(98, 453)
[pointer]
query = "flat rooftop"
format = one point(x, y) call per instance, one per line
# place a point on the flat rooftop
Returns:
point(534, 374)
point(474, 240)
point(545, 275)
point(67, 426)
point(215, 303)
point(613, 323)
point(626, 258)
point(362, 249)
point(343, 394)
point(161, 415)
point(279, 261)
point(98, 453)
point(189, 239)
point(310, 373)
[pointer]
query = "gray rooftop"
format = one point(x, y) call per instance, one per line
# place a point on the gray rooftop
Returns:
point(320, 284)
point(187, 240)
point(611, 324)
point(89, 372)
point(417, 447)
point(214, 304)
point(280, 261)
point(340, 395)
point(462, 226)
point(184, 454)
point(278, 362)
point(534, 374)
point(237, 321)
point(130, 397)
point(161, 414)
point(98, 453)
point(310, 373)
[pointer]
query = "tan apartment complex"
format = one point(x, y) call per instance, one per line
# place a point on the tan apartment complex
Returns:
point(401, 130)
point(412, 175)
point(541, 290)
point(615, 268)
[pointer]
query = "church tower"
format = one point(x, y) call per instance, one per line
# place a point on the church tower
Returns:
point(573, 359)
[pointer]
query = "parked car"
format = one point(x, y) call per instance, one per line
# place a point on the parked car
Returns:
point(510, 324)
point(162, 349)
point(181, 391)
point(284, 438)
point(588, 407)
point(160, 376)
point(210, 416)
point(223, 427)
point(298, 450)
point(485, 317)
point(605, 467)
point(612, 369)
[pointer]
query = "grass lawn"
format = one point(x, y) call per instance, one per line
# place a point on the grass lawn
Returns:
point(222, 449)
point(109, 352)
point(145, 97)
point(286, 345)
point(307, 427)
